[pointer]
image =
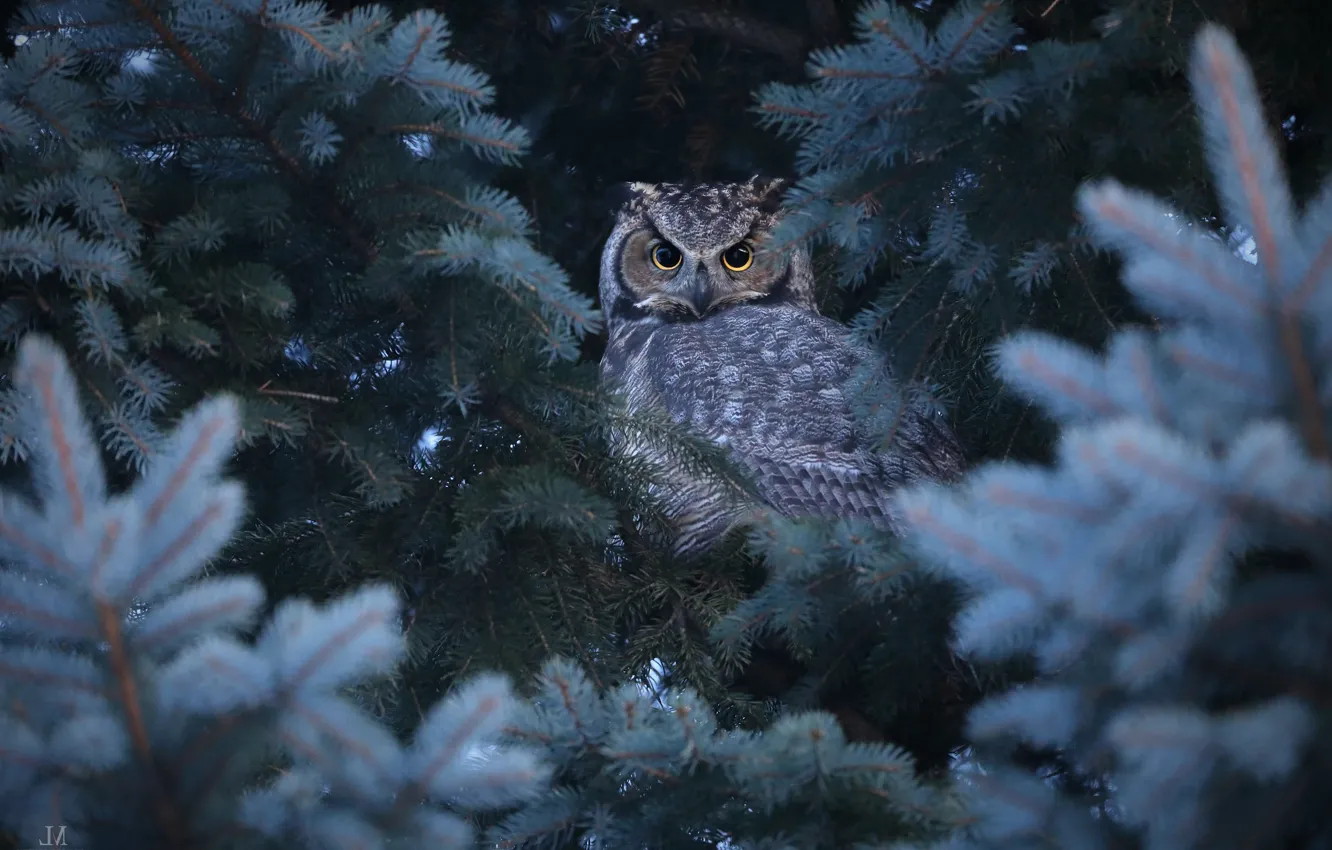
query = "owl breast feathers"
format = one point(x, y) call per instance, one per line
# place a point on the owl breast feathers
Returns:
point(722, 333)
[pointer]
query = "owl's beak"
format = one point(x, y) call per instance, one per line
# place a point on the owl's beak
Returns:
point(700, 293)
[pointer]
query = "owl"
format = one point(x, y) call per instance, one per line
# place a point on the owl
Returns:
point(712, 324)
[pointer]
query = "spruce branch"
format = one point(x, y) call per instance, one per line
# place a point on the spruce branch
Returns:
point(1126, 569)
point(670, 755)
point(1244, 147)
point(140, 712)
point(235, 108)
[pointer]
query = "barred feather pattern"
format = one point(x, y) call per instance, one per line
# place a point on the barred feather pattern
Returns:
point(769, 379)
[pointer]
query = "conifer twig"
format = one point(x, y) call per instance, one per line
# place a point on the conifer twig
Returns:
point(331, 207)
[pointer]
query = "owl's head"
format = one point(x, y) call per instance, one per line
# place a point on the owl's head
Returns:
point(682, 252)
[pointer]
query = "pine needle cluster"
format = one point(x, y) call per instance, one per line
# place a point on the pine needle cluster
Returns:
point(1169, 572)
point(146, 705)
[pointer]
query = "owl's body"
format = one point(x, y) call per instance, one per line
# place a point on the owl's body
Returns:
point(724, 336)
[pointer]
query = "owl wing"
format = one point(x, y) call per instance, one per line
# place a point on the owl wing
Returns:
point(772, 387)
point(797, 435)
point(702, 509)
point(852, 481)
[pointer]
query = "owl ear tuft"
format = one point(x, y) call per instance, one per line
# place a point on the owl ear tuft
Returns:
point(768, 192)
point(621, 195)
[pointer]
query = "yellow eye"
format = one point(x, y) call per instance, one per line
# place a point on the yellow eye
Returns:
point(666, 258)
point(738, 257)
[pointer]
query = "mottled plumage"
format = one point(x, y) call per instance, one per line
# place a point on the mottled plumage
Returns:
point(729, 342)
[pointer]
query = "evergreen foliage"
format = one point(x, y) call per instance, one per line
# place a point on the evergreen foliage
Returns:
point(293, 208)
point(135, 714)
point(662, 772)
point(939, 154)
point(296, 211)
point(299, 205)
point(1169, 573)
